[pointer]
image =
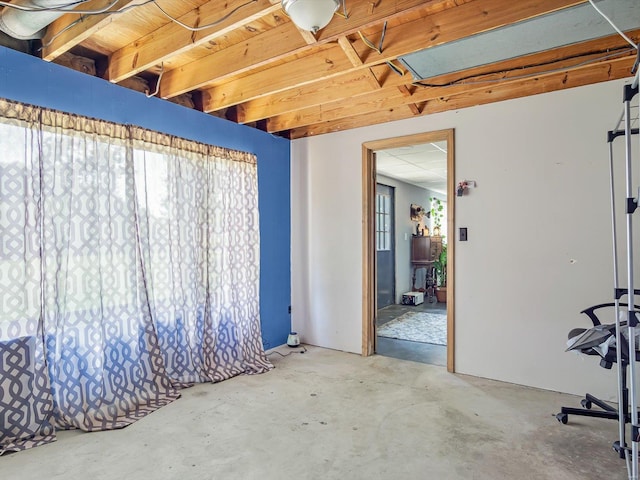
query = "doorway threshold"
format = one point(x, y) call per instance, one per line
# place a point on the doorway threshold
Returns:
point(412, 351)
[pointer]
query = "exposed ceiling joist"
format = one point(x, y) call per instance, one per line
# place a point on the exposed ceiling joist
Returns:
point(348, 85)
point(534, 66)
point(72, 29)
point(171, 40)
point(606, 71)
point(254, 66)
point(268, 48)
point(447, 25)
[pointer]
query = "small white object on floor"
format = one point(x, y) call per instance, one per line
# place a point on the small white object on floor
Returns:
point(412, 298)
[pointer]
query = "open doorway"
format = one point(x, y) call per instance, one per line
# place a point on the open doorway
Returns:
point(385, 246)
point(415, 173)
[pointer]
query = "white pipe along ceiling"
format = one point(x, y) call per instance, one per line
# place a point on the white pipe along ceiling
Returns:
point(29, 25)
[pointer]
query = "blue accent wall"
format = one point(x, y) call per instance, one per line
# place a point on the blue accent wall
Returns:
point(30, 80)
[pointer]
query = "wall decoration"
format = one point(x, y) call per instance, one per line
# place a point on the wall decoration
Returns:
point(417, 212)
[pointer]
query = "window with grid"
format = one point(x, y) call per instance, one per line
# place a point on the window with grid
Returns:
point(383, 221)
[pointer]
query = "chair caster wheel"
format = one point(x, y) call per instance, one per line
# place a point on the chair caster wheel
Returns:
point(562, 418)
point(585, 403)
point(621, 451)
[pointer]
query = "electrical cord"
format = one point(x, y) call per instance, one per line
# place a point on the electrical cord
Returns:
point(304, 349)
point(149, 95)
point(65, 8)
point(370, 44)
point(344, 13)
point(203, 27)
point(102, 12)
point(61, 8)
point(68, 27)
point(463, 81)
point(613, 25)
point(105, 10)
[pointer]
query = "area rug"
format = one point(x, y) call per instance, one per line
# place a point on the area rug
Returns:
point(426, 327)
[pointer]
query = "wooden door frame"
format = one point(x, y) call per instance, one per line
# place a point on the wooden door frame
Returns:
point(368, 234)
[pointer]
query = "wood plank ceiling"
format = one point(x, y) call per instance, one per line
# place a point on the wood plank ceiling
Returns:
point(254, 66)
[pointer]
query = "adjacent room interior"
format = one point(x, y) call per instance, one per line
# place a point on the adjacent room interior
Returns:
point(411, 252)
point(227, 229)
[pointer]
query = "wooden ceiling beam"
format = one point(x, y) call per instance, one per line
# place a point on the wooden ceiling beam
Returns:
point(453, 24)
point(328, 61)
point(372, 79)
point(363, 14)
point(405, 90)
point(307, 36)
point(272, 46)
point(602, 72)
point(345, 86)
point(172, 39)
point(414, 109)
point(265, 48)
point(325, 92)
point(445, 26)
point(71, 28)
point(391, 98)
point(356, 61)
point(374, 101)
point(349, 51)
point(348, 85)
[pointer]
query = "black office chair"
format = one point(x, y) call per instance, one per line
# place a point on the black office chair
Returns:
point(588, 341)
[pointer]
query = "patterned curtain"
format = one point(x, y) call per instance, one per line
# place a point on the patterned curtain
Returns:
point(199, 210)
point(128, 268)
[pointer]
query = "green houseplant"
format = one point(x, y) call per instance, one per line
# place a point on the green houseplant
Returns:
point(437, 214)
point(440, 266)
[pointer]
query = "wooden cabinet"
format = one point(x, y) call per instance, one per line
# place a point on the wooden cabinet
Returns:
point(424, 250)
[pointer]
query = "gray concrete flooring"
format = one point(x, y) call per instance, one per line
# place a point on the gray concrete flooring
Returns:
point(413, 351)
point(331, 415)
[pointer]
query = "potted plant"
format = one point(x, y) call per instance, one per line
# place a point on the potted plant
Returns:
point(440, 265)
point(436, 214)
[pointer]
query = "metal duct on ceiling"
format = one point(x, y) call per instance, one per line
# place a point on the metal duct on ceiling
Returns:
point(564, 27)
point(27, 25)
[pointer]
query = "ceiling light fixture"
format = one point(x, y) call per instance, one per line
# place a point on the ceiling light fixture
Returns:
point(311, 15)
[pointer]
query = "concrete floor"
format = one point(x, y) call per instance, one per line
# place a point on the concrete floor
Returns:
point(332, 415)
point(413, 351)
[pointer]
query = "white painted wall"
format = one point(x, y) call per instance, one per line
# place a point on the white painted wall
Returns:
point(538, 223)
